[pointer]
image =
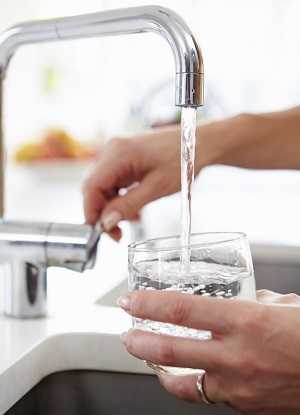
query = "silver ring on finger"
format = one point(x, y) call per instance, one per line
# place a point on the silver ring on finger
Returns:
point(201, 389)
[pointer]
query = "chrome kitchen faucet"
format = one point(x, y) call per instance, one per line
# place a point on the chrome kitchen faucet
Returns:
point(28, 249)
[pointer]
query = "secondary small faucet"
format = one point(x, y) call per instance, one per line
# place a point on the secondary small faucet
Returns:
point(156, 19)
point(28, 249)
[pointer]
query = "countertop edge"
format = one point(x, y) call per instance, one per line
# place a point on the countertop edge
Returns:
point(61, 352)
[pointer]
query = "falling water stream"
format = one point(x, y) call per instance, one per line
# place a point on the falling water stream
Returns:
point(187, 274)
point(188, 139)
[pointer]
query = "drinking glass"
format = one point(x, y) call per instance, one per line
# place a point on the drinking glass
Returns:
point(219, 266)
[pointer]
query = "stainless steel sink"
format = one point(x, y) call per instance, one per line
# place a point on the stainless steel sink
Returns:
point(277, 267)
point(96, 393)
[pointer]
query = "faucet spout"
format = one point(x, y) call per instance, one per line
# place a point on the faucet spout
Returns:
point(156, 19)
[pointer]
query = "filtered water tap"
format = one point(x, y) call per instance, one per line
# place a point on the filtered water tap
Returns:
point(38, 238)
point(28, 249)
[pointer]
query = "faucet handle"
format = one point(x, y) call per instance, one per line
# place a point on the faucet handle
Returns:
point(72, 246)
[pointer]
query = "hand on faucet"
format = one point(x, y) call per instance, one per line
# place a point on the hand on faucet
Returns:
point(130, 174)
point(148, 167)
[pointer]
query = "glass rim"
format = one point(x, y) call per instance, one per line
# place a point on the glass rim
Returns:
point(140, 246)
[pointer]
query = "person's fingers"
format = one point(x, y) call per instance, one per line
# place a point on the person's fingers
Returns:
point(270, 297)
point(183, 387)
point(127, 206)
point(173, 351)
point(112, 172)
point(290, 299)
point(115, 234)
point(94, 202)
point(217, 315)
point(266, 296)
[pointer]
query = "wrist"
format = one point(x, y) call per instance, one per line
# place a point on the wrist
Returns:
point(226, 141)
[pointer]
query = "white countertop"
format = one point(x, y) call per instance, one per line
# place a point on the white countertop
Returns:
point(85, 338)
point(77, 334)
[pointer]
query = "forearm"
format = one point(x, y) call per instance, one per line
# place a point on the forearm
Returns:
point(262, 141)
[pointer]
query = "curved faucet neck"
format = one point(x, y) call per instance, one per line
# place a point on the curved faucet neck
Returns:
point(156, 19)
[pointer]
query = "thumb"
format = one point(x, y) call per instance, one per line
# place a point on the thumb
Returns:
point(128, 206)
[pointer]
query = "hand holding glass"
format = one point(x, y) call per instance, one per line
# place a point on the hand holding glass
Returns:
point(220, 266)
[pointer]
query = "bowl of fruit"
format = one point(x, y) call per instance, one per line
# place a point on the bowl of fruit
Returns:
point(56, 155)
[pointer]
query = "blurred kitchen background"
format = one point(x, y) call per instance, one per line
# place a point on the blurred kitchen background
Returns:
point(87, 91)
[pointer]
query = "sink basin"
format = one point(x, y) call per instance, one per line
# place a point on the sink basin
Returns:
point(277, 268)
point(96, 393)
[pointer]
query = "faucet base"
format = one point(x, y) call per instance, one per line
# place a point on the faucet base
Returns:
point(27, 285)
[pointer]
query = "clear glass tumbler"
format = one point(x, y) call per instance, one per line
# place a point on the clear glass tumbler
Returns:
point(220, 267)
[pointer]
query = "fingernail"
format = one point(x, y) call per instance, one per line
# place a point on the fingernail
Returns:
point(124, 302)
point(124, 336)
point(110, 220)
